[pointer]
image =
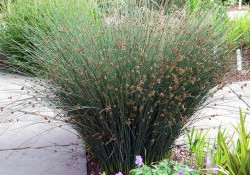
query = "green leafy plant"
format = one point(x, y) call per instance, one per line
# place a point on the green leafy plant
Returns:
point(237, 154)
point(130, 85)
point(191, 5)
point(217, 156)
point(19, 14)
point(240, 29)
point(227, 156)
point(206, 159)
point(229, 2)
point(198, 145)
point(163, 167)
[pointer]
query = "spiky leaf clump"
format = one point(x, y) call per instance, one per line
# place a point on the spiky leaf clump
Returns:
point(131, 84)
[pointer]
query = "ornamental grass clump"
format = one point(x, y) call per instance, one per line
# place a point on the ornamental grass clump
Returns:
point(21, 15)
point(132, 84)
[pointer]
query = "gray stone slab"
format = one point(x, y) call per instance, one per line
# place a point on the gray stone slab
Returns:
point(238, 13)
point(57, 160)
point(222, 110)
point(41, 134)
point(34, 139)
point(20, 99)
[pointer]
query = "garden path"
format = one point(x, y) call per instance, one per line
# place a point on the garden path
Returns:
point(237, 13)
point(223, 109)
point(33, 138)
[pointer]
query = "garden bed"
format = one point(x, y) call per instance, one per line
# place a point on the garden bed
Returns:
point(236, 76)
point(180, 154)
point(129, 87)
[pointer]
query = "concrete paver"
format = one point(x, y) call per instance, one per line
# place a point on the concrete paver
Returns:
point(43, 161)
point(224, 106)
point(34, 140)
point(237, 13)
point(222, 110)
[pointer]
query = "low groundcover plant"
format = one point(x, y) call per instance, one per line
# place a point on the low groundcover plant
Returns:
point(164, 167)
point(130, 86)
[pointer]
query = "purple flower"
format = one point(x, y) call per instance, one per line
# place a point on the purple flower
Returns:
point(119, 173)
point(208, 161)
point(215, 170)
point(180, 172)
point(138, 161)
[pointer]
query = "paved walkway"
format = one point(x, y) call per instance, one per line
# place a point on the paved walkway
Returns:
point(33, 139)
point(237, 13)
point(223, 107)
point(222, 110)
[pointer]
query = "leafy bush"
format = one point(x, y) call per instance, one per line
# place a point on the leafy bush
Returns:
point(131, 85)
point(229, 2)
point(164, 167)
point(241, 27)
point(20, 14)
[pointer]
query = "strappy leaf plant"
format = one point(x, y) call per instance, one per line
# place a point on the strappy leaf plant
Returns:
point(198, 145)
point(237, 154)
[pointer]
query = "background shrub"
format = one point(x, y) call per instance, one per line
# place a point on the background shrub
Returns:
point(240, 27)
point(20, 14)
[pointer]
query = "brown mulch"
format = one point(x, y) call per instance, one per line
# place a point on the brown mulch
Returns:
point(182, 154)
point(236, 76)
point(93, 167)
point(235, 7)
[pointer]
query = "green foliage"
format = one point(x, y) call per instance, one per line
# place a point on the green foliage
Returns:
point(21, 15)
point(194, 6)
point(231, 157)
point(15, 15)
point(131, 84)
point(166, 166)
point(198, 145)
point(120, 5)
point(191, 5)
point(237, 155)
point(205, 156)
point(240, 30)
point(229, 2)
point(168, 4)
point(217, 155)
